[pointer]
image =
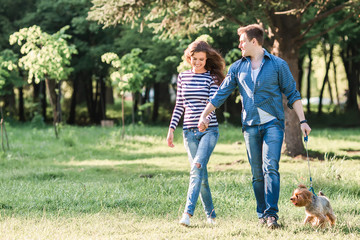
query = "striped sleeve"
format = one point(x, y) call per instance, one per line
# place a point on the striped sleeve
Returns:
point(179, 105)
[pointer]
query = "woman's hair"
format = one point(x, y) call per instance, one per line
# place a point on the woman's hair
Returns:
point(253, 31)
point(214, 61)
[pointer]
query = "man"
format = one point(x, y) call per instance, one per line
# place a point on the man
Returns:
point(262, 78)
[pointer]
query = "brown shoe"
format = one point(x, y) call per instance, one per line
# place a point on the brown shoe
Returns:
point(272, 223)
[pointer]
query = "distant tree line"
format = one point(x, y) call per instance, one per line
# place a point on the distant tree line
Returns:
point(162, 30)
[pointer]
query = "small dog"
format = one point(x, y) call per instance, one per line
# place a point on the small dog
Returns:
point(317, 208)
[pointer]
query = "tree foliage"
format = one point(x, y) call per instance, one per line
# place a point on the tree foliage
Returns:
point(130, 70)
point(288, 25)
point(45, 55)
point(9, 72)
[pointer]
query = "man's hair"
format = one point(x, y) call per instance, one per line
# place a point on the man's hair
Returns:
point(253, 31)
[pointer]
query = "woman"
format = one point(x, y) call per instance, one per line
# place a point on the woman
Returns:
point(194, 88)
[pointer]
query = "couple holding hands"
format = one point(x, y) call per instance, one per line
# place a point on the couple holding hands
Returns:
point(261, 78)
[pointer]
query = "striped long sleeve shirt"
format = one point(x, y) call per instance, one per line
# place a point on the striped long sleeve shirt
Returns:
point(193, 93)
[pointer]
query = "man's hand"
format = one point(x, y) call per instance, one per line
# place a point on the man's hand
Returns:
point(203, 124)
point(305, 129)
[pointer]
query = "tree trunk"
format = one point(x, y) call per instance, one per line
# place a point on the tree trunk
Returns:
point(336, 86)
point(21, 105)
point(326, 78)
point(352, 66)
point(58, 106)
point(123, 115)
point(309, 82)
point(155, 113)
point(72, 113)
point(89, 96)
point(102, 98)
point(301, 72)
point(43, 100)
point(286, 29)
point(51, 85)
point(328, 82)
point(133, 107)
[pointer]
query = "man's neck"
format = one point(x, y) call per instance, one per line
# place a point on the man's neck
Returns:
point(258, 55)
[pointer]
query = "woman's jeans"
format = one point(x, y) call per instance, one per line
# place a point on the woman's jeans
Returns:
point(263, 145)
point(199, 146)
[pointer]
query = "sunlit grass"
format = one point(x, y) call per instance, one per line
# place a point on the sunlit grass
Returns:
point(91, 184)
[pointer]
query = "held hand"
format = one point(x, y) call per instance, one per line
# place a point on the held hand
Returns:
point(170, 138)
point(305, 128)
point(203, 124)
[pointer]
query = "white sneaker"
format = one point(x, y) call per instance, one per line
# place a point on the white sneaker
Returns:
point(185, 220)
point(211, 221)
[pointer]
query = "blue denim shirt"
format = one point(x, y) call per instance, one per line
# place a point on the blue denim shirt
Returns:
point(274, 78)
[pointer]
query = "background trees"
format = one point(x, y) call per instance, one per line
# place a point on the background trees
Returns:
point(46, 57)
point(288, 25)
point(162, 30)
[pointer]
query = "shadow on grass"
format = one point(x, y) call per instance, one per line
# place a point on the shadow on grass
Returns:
point(318, 155)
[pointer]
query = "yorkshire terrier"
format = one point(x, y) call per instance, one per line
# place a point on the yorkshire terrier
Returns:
point(317, 208)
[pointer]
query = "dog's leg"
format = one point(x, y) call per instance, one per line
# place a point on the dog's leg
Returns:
point(308, 219)
point(322, 219)
point(331, 218)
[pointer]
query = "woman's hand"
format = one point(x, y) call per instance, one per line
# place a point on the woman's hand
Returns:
point(170, 138)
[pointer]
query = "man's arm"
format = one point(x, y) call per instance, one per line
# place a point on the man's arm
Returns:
point(305, 128)
point(203, 121)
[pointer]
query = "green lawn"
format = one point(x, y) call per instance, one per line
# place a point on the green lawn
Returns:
point(90, 184)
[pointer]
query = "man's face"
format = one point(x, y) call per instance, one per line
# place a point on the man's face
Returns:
point(245, 45)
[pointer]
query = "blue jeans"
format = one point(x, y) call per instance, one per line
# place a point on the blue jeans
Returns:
point(199, 146)
point(263, 145)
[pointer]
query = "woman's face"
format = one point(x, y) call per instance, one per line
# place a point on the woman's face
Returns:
point(198, 61)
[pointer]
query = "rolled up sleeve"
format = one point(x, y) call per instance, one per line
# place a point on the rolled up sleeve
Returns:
point(288, 84)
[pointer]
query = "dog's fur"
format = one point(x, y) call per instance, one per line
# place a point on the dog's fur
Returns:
point(317, 208)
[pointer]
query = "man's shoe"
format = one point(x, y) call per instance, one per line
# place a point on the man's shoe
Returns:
point(185, 220)
point(272, 223)
point(262, 221)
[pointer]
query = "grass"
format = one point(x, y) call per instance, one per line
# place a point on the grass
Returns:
point(90, 184)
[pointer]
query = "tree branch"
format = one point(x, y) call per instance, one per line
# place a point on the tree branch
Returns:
point(306, 7)
point(327, 30)
point(326, 14)
point(213, 5)
point(295, 10)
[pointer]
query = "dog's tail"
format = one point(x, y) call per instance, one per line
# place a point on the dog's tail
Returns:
point(321, 193)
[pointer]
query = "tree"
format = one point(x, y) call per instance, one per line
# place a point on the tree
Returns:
point(45, 57)
point(130, 72)
point(10, 78)
point(288, 25)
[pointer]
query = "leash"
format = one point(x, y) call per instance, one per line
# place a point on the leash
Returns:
point(306, 138)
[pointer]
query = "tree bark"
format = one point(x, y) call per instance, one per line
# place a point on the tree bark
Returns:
point(72, 113)
point(308, 93)
point(51, 85)
point(155, 113)
point(43, 100)
point(326, 79)
point(161, 99)
point(286, 29)
point(336, 86)
point(21, 105)
point(352, 72)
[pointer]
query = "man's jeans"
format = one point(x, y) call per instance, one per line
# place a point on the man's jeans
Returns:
point(263, 145)
point(199, 146)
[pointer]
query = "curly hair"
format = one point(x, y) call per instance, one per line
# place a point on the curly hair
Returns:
point(214, 61)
